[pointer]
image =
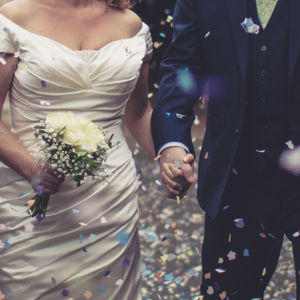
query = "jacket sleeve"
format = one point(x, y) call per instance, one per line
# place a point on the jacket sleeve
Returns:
point(181, 81)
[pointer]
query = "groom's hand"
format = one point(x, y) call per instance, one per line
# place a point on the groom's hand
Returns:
point(176, 171)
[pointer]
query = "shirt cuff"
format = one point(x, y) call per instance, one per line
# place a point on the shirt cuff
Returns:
point(173, 144)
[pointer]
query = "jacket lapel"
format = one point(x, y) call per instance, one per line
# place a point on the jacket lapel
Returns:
point(294, 39)
point(237, 12)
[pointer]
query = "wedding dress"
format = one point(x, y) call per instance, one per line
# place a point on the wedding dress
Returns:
point(87, 247)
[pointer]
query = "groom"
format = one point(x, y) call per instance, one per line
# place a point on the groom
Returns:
point(248, 52)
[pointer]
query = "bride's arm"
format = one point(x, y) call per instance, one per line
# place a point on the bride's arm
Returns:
point(12, 152)
point(138, 113)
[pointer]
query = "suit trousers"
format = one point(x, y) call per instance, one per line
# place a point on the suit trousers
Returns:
point(242, 244)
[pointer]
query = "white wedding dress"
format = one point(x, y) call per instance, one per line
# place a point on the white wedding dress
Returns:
point(87, 247)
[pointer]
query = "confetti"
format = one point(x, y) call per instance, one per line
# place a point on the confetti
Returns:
point(107, 274)
point(103, 220)
point(87, 294)
point(207, 34)
point(249, 26)
point(29, 227)
point(157, 157)
point(43, 83)
point(6, 30)
point(45, 103)
point(65, 293)
point(123, 237)
point(119, 282)
point(239, 223)
point(101, 289)
point(220, 271)
point(231, 255)
point(178, 200)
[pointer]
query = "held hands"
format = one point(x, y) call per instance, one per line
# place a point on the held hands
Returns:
point(176, 171)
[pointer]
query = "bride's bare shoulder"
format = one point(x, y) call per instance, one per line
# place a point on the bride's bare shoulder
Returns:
point(130, 20)
point(18, 11)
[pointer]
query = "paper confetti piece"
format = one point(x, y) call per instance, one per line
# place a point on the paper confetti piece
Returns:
point(29, 227)
point(290, 145)
point(119, 282)
point(220, 271)
point(92, 237)
point(231, 255)
point(177, 164)
point(239, 223)
point(246, 252)
point(249, 26)
point(126, 262)
point(207, 34)
point(210, 290)
point(65, 293)
point(123, 237)
point(80, 238)
point(103, 220)
point(43, 83)
point(45, 103)
point(101, 289)
point(87, 294)
point(157, 157)
point(178, 200)
point(295, 235)
point(107, 274)
point(6, 30)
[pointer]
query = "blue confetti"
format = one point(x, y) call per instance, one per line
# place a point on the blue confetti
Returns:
point(169, 277)
point(126, 262)
point(249, 26)
point(81, 239)
point(101, 289)
point(65, 293)
point(185, 81)
point(6, 244)
point(246, 252)
point(39, 218)
point(5, 29)
point(123, 237)
point(168, 114)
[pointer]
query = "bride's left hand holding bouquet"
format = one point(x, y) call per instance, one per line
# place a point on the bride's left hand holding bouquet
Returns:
point(69, 146)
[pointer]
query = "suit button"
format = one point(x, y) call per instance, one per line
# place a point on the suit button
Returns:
point(237, 131)
point(264, 48)
point(263, 73)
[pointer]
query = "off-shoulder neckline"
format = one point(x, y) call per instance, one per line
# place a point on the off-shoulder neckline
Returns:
point(67, 47)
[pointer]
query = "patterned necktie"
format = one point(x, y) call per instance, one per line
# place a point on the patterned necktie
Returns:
point(265, 9)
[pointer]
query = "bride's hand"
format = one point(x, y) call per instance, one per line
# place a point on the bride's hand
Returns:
point(45, 182)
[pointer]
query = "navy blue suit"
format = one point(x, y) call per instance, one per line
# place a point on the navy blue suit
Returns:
point(221, 59)
point(253, 110)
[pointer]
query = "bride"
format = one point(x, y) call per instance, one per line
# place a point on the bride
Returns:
point(90, 57)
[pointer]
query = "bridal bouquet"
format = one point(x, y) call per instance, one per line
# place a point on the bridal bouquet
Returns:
point(71, 146)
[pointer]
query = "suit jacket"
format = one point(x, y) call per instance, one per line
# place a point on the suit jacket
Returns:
point(209, 44)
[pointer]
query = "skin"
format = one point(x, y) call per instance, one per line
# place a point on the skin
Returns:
point(97, 26)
